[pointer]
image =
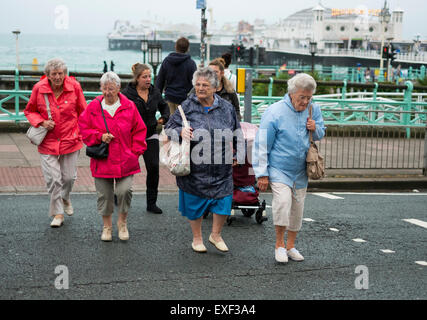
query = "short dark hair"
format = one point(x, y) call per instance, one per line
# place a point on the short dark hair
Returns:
point(227, 59)
point(182, 45)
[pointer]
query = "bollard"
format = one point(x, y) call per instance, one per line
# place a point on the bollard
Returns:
point(17, 92)
point(247, 116)
point(270, 87)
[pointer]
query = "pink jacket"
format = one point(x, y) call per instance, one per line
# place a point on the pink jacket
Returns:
point(129, 143)
point(65, 138)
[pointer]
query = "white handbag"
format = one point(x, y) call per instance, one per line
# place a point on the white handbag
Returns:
point(37, 135)
point(174, 155)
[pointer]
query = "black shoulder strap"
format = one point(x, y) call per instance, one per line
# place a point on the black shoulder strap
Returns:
point(103, 115)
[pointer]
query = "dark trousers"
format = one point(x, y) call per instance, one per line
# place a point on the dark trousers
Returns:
point(151, 159)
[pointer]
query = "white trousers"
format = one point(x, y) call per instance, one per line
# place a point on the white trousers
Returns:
point(60, 173)
point(287, 206)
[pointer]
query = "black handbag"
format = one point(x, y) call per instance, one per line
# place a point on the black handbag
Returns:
point(99, 151)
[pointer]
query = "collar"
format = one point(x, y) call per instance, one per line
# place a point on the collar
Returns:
point(46, 88)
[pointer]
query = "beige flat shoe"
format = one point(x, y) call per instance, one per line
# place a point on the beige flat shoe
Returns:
point(220, 245)
point(57, 222)
point(123, 231)
point(200, 248)
point(68, 208)
point(107, 234)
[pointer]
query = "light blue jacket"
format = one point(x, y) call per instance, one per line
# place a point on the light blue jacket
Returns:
point(282, 142)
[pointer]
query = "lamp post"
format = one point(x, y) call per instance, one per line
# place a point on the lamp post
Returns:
point(17, 33)
point(201, 4)
point(154, 56)
point(417, 44)
point(313, 51)
point(384, 17)
point(144, 48)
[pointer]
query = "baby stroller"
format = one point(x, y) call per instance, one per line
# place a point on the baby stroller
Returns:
point(245, 194)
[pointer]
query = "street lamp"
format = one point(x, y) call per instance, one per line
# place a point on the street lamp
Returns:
point(17, 33)
point(144, 48)
point(384, 18)
point(154, 56)
point(313, 51)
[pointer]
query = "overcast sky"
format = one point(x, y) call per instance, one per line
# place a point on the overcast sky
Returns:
point(97, 16)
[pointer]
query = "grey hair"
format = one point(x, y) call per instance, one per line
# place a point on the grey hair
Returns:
point(208, 74)
point(302, 81)
point(110, 76)
point(54, 64)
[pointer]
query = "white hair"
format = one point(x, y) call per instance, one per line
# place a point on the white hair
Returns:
point(208, 74)
point(110, 77)
point(55, 64)
point(302, 81)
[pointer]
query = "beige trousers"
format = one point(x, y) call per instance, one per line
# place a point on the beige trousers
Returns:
point(172, 107)
point(105, 190)
point(287, 206)
point(60, 173)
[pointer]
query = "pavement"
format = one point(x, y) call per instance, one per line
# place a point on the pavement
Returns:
point(20, 172)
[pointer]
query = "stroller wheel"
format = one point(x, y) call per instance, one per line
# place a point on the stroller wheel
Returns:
point(230, 220)
point(259, 217)
point(248, 212)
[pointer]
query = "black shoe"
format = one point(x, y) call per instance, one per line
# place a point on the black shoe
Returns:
point(154, 209)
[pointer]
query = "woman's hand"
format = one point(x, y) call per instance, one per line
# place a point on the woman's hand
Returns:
point(187, 133)
point(262, 183)
point(107, 137)
point(311, 124)
point(48, 124)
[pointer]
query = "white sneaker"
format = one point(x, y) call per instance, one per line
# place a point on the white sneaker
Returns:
point(107, 234)
point(68, 208)
point(57, 222)
point(295, 255)
point(281, 255)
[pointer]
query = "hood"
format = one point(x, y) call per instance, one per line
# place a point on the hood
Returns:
point(177, 58)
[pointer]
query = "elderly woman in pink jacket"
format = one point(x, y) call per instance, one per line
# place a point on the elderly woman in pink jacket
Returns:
point(126, 140)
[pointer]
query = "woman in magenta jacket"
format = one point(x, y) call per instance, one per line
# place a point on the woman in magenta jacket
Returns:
point(126, 139)
point(60, 148)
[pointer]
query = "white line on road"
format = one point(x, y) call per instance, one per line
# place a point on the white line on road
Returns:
point(327, 196)
point(387, 251)
point(334, 230)
point(308, 220)
point(381, 193)
point(359, 240)
point(417, 222)
point(421, 263)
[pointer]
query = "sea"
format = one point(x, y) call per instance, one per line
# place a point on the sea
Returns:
point(84, 53)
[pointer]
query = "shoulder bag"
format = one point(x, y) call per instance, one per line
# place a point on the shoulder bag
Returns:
point(174, 155)
point(99, 151)
point(37, 135)
point(315, 162)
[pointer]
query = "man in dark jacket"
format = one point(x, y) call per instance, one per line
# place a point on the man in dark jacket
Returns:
point(176, 75)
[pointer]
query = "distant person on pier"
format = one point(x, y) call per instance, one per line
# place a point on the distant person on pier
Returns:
point(227, 72)
point(60, 148)
point(105, 66)
point(148, 101)
point(176, 74)
point(112, 66)
point(279, 159)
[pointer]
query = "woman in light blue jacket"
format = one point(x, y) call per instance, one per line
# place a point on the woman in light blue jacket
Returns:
point(279, 159)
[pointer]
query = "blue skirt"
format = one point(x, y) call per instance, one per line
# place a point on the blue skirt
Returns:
point(193, 207)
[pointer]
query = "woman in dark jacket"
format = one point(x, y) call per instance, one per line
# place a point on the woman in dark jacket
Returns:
point(148, 100)
point(214, 130)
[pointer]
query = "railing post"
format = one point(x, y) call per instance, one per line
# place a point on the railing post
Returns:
point(408, 106)
point(422, 72)
point(16, 92)
point(344, 90)
point(374, 106)
point(270, 87)
point(247, 116)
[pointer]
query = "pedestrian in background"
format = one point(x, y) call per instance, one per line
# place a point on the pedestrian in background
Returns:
point(126, 142)
point(148, 101)
point(209, 186)
point(105, 66)
point(227, 72)
point(279, 159)
point(176, 74)
point(60, 148)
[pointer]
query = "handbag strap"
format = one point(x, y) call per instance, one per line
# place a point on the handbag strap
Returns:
point(46, 99)
point(310, 111)
point(184, 119)
point(103, 115)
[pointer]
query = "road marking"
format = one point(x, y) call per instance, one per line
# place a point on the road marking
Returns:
point(359, 240)
point(308, 220)
point(387, 251)
point(381, 193)
point(417, 222)
point(421, 263)
point(334, 230)
point(327, 196)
